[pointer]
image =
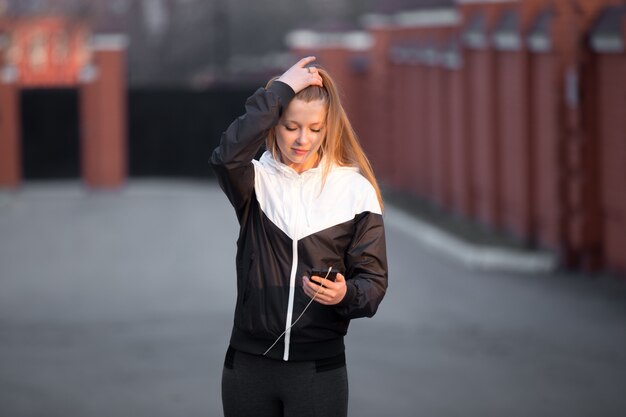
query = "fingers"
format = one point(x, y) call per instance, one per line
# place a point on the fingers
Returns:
point(330, 293)
point(300, 76)
point(315, 77)
point(327, 282)
point(313, 71)
point(321, 294)
point(305, 61)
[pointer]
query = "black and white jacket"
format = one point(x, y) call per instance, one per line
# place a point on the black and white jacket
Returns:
point(290, 224)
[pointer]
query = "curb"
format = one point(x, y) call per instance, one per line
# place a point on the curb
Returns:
point(470, 255)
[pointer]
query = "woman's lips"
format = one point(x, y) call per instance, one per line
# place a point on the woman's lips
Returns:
point(300, 152)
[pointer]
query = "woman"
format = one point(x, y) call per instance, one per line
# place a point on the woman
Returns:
point(311, 201)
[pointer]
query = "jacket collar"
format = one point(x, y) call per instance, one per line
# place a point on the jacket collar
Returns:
point(272, 165)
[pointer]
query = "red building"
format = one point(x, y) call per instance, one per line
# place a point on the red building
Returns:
point(52, 52)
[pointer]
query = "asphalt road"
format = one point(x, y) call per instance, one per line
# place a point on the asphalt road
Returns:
point(120, 304)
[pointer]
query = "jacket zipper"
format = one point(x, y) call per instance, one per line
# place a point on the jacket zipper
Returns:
point(296, 197)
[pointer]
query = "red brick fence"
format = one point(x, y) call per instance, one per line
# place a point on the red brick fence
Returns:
point(511, 113)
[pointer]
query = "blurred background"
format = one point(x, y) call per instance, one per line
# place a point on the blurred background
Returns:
point(508, 114)
point(497, 129)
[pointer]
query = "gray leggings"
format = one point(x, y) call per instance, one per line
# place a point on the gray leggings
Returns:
point(261, 387)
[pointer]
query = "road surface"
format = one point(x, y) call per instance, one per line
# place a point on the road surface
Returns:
point(120, 303)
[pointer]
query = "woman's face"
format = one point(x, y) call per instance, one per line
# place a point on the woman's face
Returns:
point(300, 133)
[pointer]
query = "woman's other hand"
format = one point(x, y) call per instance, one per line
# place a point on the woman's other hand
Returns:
point(299, 76)
point(331, 292)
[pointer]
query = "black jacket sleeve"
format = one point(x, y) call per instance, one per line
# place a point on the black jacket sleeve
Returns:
point(232, 159)
point(366, 268)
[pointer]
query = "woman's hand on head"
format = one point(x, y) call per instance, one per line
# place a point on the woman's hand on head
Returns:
point(331, 292)
point(299, 76)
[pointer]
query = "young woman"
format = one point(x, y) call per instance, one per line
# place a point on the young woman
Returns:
point(310, 203)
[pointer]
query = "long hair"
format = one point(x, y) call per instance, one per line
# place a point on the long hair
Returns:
point(340, 145)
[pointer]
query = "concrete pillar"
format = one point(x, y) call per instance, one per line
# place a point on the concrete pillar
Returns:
point(104, 114)
point(513, 110)
point(607, 120)
point(461, 171)
point(375, 137)
point(580, 167)
point(10, 149)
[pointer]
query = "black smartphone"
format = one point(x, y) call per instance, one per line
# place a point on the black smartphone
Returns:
point(322, 273)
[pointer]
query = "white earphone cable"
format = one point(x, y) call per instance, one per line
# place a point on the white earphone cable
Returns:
point(301, 314)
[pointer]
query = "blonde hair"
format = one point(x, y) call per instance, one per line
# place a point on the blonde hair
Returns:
point(340, 145)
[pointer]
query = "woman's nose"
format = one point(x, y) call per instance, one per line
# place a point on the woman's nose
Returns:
point(303, 137)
